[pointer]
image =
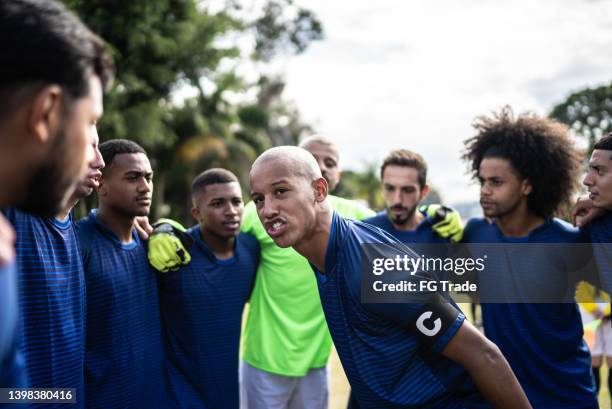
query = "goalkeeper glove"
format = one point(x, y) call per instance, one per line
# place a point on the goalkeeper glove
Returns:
point(447, 222)
point(168, 246)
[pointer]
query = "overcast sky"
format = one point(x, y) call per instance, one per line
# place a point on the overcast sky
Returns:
point(413, 74)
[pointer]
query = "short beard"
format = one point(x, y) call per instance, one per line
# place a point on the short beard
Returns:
point(47, 193)
point(403, 221)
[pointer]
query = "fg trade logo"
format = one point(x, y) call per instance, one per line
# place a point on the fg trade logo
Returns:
point(430, 332)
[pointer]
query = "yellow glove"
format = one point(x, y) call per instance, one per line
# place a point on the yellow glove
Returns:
point(168, 246)
point(447, 222)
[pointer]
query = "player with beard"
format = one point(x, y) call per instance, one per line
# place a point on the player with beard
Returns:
point(202, 302)
point(123, 354)
point(52, 72)
point(391, 359)
point(404, 180)
point(527, 169)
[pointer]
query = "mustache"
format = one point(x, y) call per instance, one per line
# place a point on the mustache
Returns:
point(398, 207)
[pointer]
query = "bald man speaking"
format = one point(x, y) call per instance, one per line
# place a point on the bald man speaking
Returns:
point(390, 358)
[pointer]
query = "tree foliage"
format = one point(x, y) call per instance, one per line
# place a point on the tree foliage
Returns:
point(166, 49)
point(587, 112)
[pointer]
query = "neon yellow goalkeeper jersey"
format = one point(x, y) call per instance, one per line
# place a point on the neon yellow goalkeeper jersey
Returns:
point(285, 331)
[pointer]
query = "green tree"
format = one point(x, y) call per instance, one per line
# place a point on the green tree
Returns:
point(162, 47)
point(587, 112)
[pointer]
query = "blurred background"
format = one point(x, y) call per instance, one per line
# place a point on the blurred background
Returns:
point(214, 83)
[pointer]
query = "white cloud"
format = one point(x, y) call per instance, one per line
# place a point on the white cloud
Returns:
point(414, 74)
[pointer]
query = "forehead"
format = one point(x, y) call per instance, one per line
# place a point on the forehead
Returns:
point(601, 156)
point(132, 162)
point(231, 189)
point(92, 101)
point(267, 174)
point(400, 175)
point(490, 167)
point(322, 150)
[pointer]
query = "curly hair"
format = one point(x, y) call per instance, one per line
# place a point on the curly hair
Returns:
point(539, 149)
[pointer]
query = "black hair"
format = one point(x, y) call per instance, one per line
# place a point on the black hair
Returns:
point(605, 143)
point(114, 147)
point(210, 177)
point(42, 43)
point(539, 150)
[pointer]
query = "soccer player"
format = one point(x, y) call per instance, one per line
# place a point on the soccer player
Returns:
point(404, 181)
point(286, 341)
point(527, 169)
point(52, 72)
point(391, 357)
point(123, 354)
point(202, 302)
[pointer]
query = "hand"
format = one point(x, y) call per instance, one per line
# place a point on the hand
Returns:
point(448, 224)
point(7, 242)
point(142, 226)
point(584, 212)
point(168, 246)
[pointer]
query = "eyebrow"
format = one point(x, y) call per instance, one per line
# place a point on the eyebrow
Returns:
point(138, 173)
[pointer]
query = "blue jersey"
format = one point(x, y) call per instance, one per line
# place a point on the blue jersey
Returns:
point(424, 232)
point(52, 300)
point(201, 306)
point(542, 342)
point(600, 234)
point(386, 362)
point(123, 360)
point(11, 363)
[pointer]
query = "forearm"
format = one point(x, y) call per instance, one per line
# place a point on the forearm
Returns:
point(496, 381)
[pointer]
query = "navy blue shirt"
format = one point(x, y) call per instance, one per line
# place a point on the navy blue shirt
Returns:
point(12, 372)
point(600, 234)
point(423, 233)
point(123, 361)
point(386, 363)
point(542, 342)
point(202, 306)
point(52, 301)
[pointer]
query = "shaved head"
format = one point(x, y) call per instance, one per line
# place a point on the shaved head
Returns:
point(296, 161)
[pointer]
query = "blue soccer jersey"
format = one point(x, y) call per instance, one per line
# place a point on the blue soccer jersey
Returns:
point(202, 306)
point(123, 360)
point(600, 234)
point(387, 362)
point(52, 301)
point(542, 342)
point(424, 232)
point(11, 363)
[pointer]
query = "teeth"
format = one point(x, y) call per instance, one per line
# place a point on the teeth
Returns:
point(276, 225)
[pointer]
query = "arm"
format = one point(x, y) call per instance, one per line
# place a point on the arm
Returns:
point(487, 366)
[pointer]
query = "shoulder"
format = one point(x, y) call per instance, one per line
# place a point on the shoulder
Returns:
point(475, 227)
point(351, 209)
point(249, 242)
point(565, 231)
point(378, 219)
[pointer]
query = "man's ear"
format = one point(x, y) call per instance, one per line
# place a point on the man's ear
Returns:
point(195, 213)
point(45, 113)
point(102, 187)
point(526, 187)
point(424, 192)
point(321, 189)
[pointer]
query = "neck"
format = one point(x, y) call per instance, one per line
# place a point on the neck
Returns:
point(412, 223)
point(118, 223)
point(518, 223)
point(64, 213)
point(314, 246)
point(222, 247)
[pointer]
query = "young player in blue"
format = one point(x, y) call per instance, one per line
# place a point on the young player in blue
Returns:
point(123, 357)
point(527, 168)
point(410, 355)
point(202, 302)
